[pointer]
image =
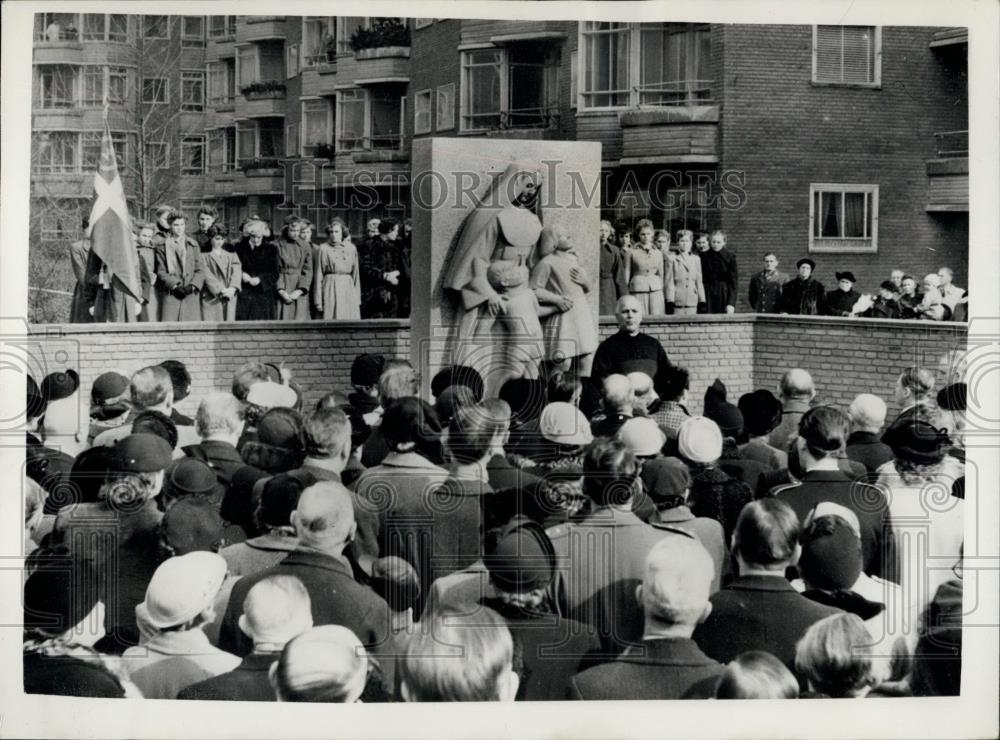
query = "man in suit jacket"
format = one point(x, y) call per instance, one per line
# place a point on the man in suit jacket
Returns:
point(180, 274)
point(601, 558)
point(324, 523)
point(867, 414)
point(685, 287)
point(275, 610)
point(667, 664)
point(759, 609)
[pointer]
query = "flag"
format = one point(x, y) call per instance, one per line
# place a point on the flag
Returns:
point(110, 232)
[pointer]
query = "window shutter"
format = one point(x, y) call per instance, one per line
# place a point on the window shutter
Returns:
point(292, 62)
point(858, 47)
point(845, 54)
point(828, 42)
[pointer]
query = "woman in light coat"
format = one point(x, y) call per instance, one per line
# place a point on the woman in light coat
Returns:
point(223, 278)
point(336, 280)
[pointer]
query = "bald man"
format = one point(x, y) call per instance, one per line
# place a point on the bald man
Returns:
point(630, 350)
point(324, 523)
point(326, 664)
point(618, 404)
point(864, 444)
point(674, 595)
point(797, 392)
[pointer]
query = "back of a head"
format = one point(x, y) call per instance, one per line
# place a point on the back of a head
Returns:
point(450, 400)
point(677, 381)
point(677, 581)
point(246, 376)
point(610, 472)
point(461, 375)
point(410, 424)
point(327, 433)
point(867, 412)
point(324, 516)
point(180, 378)
point(333, 399)
point(275, 610)
point(797, 384)
point(767, 533)
point(218, 413)
point(831, 551)
point(831, 656)
point(457, 655)
point(155, 422)
point(756, 675)
point(824, 430)
point(918, 380)
point(563, 386)
point(617, 393)
point(326, 664)
point(470, 434)
point(397, 381)
point(151, 387)
point(397, 582)
point(525, 396)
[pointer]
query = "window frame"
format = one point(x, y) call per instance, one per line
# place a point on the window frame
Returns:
point(186, 141)
point(105, 30)
point(419, 23)
point(193, 42)
point(292, 61)
point(875, 84)
point(836, 245)
point(76, 87)
point(152, 158)
point(203, 78)
point(310, 61)
point(62, 169)
point(550, 88)
point(417, 96)
point(448, 108)
point(228, 27)
point(329, 126)
point(165, 87)
point(357, 94)
point(166, 26)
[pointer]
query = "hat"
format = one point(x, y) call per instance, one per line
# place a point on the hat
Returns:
point(458, 375)
point(407, 420)
point(665, 479)
point(847, 275)
point(451, 400)
point(57, 594)
point(521, 558)
point(700, 440)
point(90, 468)
point(918, 442)
point(181, 589)
point(279, 496)
point(642, 436)
point(715, 393)
point(525, 396)
point(641, 383)
point(806, 261)
point(141, 453)
point(192, 525)
point(108, 387)
point(728, 417)
point(889, 285)
point(564, 424)
point(190, 477)
point(952, 397)
point(396, 581)
point(268, 394)
point(278, 430)
point(761, 412)
point(831, 555)
point(57, 386)
point(366, 369)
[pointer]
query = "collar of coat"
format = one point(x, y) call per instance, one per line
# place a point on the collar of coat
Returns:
point(666, 651)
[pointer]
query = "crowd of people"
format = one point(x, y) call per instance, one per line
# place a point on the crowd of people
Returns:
point(217, 274)
point(698, 274)
point(594, 537)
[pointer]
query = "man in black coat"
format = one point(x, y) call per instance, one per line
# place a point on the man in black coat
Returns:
point(759, 610)
point(718, 266)
point(630, 350)
point(276, 610)
point(667, 664)
point(219, 423)
point(803, 294)
point(324, 523)
point(864, 445)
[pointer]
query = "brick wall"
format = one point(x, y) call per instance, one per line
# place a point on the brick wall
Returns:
point(845, 356)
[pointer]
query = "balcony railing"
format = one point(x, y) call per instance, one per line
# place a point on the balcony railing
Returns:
point(952, 144)
point(677, 92)
point(54, 102)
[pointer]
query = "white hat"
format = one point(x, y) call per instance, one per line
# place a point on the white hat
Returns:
point(642, 436)
point(564, 424)
point(269, 395)
point(641, 383)
point(699, 440)
point(181, 589)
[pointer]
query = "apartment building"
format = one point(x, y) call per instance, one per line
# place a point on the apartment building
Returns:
point(845, 143)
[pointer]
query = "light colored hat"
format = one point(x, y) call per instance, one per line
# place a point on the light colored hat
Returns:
point(642, 436)
point(181, 589)
point(700, 440)
point(641, 384)
point(564, 424)
point(268, 394)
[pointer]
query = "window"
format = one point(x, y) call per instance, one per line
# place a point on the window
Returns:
point(422, 22)
point(118, 28)
point(157, 155)
point(56, 86)
point(192, 155)
point(271, 137)
point(317, 125)
point(247, 65)
point(422, 112)
point(154, 90)
point(671, 64)
point(843, 218)
point(193, 30)
point(99, 81)
point(847, 55)
point(155, 27)
point(222, 81)
point(246, 140)
point(345, 29)
point(574, 88)
point(350, 120)
point(55, 151)
point(117, 85)
point(511, 87)
point(229, 144)
point(193, 90)
point(221, 26)
point(445, 107)
point(93, 86)
point(93, 27)
point(222, 149)
point(318, 33)
point(291, 140)
point(271, 58)
point(57, 26)
point(291, 60)
point(90, 149)
point(385, 119)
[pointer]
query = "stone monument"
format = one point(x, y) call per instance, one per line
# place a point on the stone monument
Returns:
point(506, 256)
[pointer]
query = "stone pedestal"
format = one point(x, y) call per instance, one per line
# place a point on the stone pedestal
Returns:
point(451, 177)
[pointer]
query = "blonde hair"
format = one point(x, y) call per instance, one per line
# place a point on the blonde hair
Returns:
point(832, 655)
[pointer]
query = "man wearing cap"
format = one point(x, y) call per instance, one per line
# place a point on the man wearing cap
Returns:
point(629, 349)
point(176, 652)
point(797, 392)
point(324, 523)
point(761, 414)
point(601, 556)
point(275, 611)
point(666, 664)
point(109, 404)
point(840, 302)
point(119, 536)
point(803, 294)
point(618, 402)
point(867, 413)
point(151, 389)
point(766, 286)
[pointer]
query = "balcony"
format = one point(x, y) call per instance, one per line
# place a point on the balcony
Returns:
point(262, 99)
point(374, 66)
point(481, 32)
point(948, 173)
point(65, 49)
point(670, 134)
point(260, 28)
point(949, 37)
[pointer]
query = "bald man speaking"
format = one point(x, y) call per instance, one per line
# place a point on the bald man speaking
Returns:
point(630, 350)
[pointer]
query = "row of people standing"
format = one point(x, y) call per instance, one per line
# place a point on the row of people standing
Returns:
point(699, 277)
point(207, 276)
